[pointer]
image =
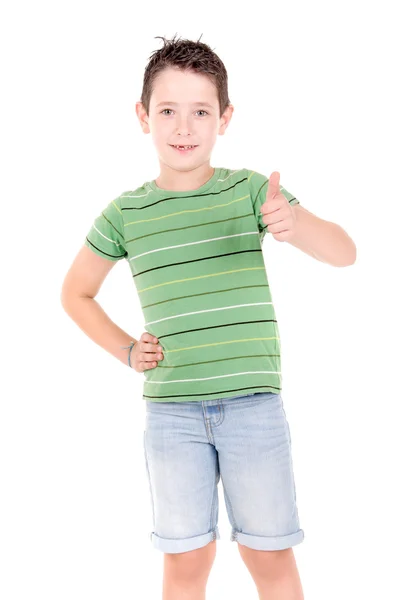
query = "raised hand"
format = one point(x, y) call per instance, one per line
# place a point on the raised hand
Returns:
point(277, 213)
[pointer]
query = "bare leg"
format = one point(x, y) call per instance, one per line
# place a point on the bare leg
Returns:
point(274, 573)
point(186, 573)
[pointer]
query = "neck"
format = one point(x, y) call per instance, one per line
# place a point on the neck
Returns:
point(172, 179)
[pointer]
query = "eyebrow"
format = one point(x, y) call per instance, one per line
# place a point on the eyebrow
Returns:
point(176, 104)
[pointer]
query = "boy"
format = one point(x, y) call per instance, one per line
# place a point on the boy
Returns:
point(210, 352)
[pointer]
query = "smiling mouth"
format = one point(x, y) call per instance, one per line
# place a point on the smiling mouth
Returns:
point(180, 147)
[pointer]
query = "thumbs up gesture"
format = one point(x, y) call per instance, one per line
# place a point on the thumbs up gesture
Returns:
point(277, 213)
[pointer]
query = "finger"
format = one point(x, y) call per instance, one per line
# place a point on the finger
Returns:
point(149, 356)
point(148, 360)
point(282, 236)
point(278, 226)
point(148, 337)
point(270, 206)
point(144, 366)
point(149, 343)
point(149, 347)
point(272, 221)
point(273, 185)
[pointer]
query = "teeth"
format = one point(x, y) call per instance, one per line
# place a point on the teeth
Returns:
point(183, 146)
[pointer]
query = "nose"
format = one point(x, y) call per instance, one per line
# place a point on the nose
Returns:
point(183, 127)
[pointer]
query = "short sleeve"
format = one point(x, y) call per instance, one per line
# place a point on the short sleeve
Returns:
point(106, 236)
point(258, 186)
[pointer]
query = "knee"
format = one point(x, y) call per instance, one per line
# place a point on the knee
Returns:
point(266, 563)
point(193, 565)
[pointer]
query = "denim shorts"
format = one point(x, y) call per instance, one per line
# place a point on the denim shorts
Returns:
point(245, 440)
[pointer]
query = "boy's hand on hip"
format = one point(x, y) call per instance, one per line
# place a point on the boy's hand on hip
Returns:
point(277, 213)
point(146, 353)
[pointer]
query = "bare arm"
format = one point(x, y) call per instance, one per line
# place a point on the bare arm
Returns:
point(81, 284)
point(324, 240)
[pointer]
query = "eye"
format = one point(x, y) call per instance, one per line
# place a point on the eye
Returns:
point(170, 110)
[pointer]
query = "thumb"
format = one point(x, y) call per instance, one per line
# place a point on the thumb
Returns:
point(273, 185)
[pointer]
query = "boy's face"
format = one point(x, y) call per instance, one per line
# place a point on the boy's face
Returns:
point(183, 110)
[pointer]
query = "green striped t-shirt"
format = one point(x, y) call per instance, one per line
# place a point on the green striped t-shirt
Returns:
point(197, 264)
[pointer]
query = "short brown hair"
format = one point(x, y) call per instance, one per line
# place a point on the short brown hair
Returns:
point(186, 55)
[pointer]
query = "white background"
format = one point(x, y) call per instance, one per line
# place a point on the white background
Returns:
point(314, 90)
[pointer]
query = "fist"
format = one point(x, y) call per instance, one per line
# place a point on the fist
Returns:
point(277, 213)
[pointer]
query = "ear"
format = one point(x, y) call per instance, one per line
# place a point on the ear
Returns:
point(142, 117)
point(225, 119)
